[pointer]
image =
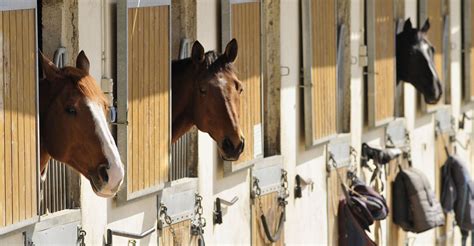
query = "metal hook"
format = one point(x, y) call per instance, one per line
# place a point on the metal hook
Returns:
point(227, 203)
point(218, 208)
point(463, 119)
point(301, 184)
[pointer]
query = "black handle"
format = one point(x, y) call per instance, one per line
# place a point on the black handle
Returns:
point(298, 192)
point(218, 212)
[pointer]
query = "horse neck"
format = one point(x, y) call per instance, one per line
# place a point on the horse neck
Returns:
point(182, 93)
point(45, 96)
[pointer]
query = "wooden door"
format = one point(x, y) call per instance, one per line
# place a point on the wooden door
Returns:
point(144, 95)
point(18, 114)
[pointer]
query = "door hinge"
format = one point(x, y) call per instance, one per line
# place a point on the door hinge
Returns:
point(363, 56)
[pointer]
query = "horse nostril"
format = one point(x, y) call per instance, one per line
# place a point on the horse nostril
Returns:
point(227, 145)
point(242, 145)
point(103, 173)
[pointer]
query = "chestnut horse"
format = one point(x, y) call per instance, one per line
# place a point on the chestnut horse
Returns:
point(73, 126)
point(415, 62)
point(206, 93)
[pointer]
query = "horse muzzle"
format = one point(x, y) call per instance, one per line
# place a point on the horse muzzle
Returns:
point(435, 95)
point(231, 152)
point(107, 180)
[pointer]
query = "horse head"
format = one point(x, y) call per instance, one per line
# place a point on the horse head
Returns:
point(73, 125)
point(216, 98)
point(415, 61)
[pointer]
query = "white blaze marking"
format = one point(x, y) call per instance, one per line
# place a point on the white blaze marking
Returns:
point(115, 172)
point(424, 50)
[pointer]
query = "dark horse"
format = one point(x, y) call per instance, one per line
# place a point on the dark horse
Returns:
point(206, 93)
point(415, 63)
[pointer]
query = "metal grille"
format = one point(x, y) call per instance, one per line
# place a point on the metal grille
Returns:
point(54, 190)
point(183, 162)
point(181, 157)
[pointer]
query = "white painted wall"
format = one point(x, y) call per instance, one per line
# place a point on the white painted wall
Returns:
point(304, 215)
point(94, 209)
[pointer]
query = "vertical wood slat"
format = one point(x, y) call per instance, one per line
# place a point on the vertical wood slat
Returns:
point(164, 93)
point(245, 27)
point(138, 84)
point(447, 231)
point(17, 116)
point(32, 112)
point(384, 68)
point(131, 67)
point(8, 125)
point(152, 101)
point(29, 166)
point(183, 236)
point(14, 107)
point(272, 212)
point(471, 52)
point(146, 99)
point(2, 130)
point(323, 71)
point(148, 80)
point(21, 121)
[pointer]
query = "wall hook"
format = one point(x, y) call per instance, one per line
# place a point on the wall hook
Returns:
point(218, 208)
point(301, 184)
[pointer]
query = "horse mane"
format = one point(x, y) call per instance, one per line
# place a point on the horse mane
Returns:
point(214, 62)
point(85, 84)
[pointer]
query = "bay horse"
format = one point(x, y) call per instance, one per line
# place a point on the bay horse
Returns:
point(206, 93)
point(415, 61)
point(73, 126)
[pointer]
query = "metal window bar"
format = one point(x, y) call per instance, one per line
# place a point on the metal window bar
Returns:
point(54, 190)
point(182, 161)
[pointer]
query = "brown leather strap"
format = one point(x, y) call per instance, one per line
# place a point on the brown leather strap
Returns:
point(276, 236)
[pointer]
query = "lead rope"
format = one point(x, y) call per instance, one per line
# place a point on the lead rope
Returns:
point(198, 223)
point(164, 217)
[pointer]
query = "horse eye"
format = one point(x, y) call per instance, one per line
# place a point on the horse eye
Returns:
point(432, 50)
point(71, 111)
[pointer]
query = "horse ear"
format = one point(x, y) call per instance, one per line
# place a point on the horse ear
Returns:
point(408, 26)
point(51, 72)
point(426, 26)
point(197, 53)
point(82, 62)
point(231, 51)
